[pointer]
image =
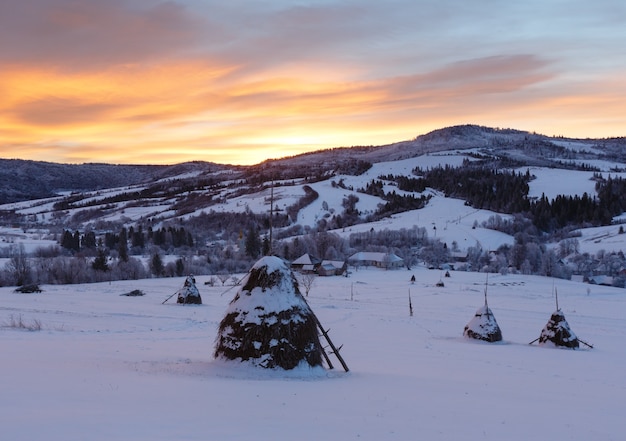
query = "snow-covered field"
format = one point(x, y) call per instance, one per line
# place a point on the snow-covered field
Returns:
point(110, 367)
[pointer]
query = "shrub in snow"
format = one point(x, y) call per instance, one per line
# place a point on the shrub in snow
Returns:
point(28, 289)
point(189, 293)
point(269, 323)
point(483, 326)
point(134, 293)
point(558, 333)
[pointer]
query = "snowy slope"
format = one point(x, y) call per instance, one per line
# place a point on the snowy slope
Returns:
point(447, 219)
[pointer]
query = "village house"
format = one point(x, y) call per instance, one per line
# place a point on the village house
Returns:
point(379, 260)
point(332, 268)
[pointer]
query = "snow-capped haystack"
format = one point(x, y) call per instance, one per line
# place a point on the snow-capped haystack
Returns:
point(189, 293)
point(483, 326)
point(269, 323)
point(558, 333)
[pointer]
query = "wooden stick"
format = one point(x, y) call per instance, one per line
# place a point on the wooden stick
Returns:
point(169, 298)
point(586, 344)
point(335, 350)
point(333, 347)
point(327, 358)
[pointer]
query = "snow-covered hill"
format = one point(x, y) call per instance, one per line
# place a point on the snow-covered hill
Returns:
point(189, 190)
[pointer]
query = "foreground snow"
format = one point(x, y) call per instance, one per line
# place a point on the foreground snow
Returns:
point(111, 367)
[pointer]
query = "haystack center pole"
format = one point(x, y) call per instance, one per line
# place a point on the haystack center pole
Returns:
point(271, 215)
point(556, 297)
point(486, 284)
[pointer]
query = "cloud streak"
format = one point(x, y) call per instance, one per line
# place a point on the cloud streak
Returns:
point(161, 82)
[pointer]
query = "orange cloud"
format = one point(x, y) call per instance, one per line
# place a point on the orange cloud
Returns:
point(197, 109)
point(161, 82)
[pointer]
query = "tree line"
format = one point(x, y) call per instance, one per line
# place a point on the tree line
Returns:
point(217, 243)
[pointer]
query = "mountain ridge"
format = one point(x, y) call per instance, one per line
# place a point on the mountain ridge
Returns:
point(22, 180)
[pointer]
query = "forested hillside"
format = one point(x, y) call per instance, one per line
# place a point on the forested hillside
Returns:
point(121, 222)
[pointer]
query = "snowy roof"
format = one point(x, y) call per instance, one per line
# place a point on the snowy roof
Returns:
point(338, 264)
point(376, 257)
point(305, 259)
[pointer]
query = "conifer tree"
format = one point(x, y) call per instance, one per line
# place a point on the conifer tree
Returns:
point(100, 262)
point(253, 243)
point(123, 245)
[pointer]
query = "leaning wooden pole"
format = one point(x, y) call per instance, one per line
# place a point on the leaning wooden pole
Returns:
point(169, 298)
point(327, 358)
point(335, 349)
point(331, 344)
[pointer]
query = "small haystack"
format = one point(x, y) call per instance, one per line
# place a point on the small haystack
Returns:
point(189, 293)
point(483, 326)
point(558, 333)
point(269, 323)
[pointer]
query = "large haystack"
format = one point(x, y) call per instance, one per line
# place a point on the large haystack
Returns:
point(483, 326)
point(558, 333)
point(268, 323)
point(189, 293)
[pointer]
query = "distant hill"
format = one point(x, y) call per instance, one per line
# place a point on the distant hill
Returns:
point(470, 188)
point(25, 180)
point(22, 180)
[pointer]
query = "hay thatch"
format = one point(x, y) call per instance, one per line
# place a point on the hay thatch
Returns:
point(268, 323)
point(189, 293)
point(558, 333)
point(483, 326)
point(134, 293)
point(28, 289)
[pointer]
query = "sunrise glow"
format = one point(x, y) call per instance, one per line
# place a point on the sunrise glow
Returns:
point(148, 82)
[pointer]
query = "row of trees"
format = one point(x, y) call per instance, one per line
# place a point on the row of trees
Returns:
point(53, 265)
point(215, 243)
point(165, 238)
point(506, 191)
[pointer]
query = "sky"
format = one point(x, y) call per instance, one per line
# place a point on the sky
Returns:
point(238, 82)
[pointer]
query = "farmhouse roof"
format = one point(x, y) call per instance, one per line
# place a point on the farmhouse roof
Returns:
point(306, 259)
point(376, 257)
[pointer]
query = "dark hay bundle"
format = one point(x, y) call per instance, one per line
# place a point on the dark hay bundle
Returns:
point(189, 293)
point(134, 293)
point(558, 333)
point(483, 326)
point(28, 289)
point(268, 323)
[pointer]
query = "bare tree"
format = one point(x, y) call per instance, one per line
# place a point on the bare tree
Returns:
point(223, 277)
point(307, 280)
point(18, 266)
